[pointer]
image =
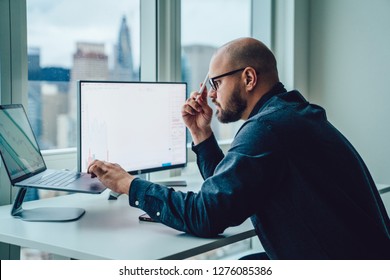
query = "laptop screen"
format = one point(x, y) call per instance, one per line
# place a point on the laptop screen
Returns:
point(18, 146)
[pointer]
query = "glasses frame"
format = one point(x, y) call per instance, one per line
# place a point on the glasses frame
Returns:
point(212, 80)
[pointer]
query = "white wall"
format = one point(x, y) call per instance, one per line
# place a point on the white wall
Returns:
point(349, 74)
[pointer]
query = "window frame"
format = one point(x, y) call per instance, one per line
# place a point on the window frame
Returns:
point(13, 85)
point(13, 68)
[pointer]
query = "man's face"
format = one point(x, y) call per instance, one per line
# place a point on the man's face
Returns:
point(226, 92)
point(231, 106)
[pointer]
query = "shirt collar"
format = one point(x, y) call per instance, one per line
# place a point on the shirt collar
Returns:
point(276, 89)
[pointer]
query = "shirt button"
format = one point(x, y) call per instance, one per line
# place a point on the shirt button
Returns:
point(136, 202)
point(158, 214)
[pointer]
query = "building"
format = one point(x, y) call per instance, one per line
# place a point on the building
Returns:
point(89, 62)
point(34, 91)
point(123, 56)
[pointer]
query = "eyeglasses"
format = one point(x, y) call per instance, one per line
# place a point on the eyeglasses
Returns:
point(215, 85)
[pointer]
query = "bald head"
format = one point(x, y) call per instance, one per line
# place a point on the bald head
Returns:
point(244, 52)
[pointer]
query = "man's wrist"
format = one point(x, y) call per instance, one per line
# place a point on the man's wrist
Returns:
point(201, 135)
point(126, 185)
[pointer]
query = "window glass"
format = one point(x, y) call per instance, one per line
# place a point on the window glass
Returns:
point(69, 41)
point(206, 25)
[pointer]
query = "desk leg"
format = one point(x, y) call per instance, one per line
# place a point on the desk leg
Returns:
point(9, 252)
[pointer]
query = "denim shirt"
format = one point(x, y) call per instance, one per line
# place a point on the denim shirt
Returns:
point(307, 191)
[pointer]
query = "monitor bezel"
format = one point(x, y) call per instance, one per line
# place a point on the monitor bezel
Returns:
point(133, 172)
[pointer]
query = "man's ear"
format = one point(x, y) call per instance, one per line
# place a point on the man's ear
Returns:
point(251, 78)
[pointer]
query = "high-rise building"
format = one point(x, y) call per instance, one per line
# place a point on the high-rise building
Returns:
point(55, 103)
point(34, 63)
point(123, 55)
point(34, 111)
point(89, 62)
point(44, 85)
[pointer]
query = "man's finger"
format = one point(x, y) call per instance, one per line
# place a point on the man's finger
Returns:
point(97, 168)
point(187, 109)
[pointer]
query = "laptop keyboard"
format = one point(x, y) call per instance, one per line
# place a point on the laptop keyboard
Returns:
point(57, 179)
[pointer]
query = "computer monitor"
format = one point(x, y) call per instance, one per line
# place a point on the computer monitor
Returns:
point(135, 124)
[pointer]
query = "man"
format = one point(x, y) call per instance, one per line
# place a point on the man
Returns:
point(307, 191)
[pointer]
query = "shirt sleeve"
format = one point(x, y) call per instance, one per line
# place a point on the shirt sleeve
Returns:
point(226, 198)
point(208, 156)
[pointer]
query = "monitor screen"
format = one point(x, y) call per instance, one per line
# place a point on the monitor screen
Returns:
point(135, 124)
point(18, 146)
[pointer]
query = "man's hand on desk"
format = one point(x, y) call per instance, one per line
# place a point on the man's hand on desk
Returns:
point(111, 175)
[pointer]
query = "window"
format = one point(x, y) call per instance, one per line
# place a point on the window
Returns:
point(69, 41)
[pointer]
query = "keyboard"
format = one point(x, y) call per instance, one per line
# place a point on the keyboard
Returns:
point(60, 178)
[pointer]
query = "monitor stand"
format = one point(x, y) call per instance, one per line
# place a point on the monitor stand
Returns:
point(43, 214)
point(174, 183)
point(167, 183)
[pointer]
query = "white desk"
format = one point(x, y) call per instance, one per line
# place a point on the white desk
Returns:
point(109, 229)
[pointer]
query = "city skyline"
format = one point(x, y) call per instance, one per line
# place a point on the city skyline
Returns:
point(55, 26)
point(54, 99)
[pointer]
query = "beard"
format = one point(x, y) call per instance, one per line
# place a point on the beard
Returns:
point(234, 108)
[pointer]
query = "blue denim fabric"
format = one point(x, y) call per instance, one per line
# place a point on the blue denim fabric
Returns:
point(306, 189)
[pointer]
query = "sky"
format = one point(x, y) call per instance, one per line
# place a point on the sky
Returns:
point(56, 26)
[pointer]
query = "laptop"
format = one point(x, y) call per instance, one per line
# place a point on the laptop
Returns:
point(24, 162)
